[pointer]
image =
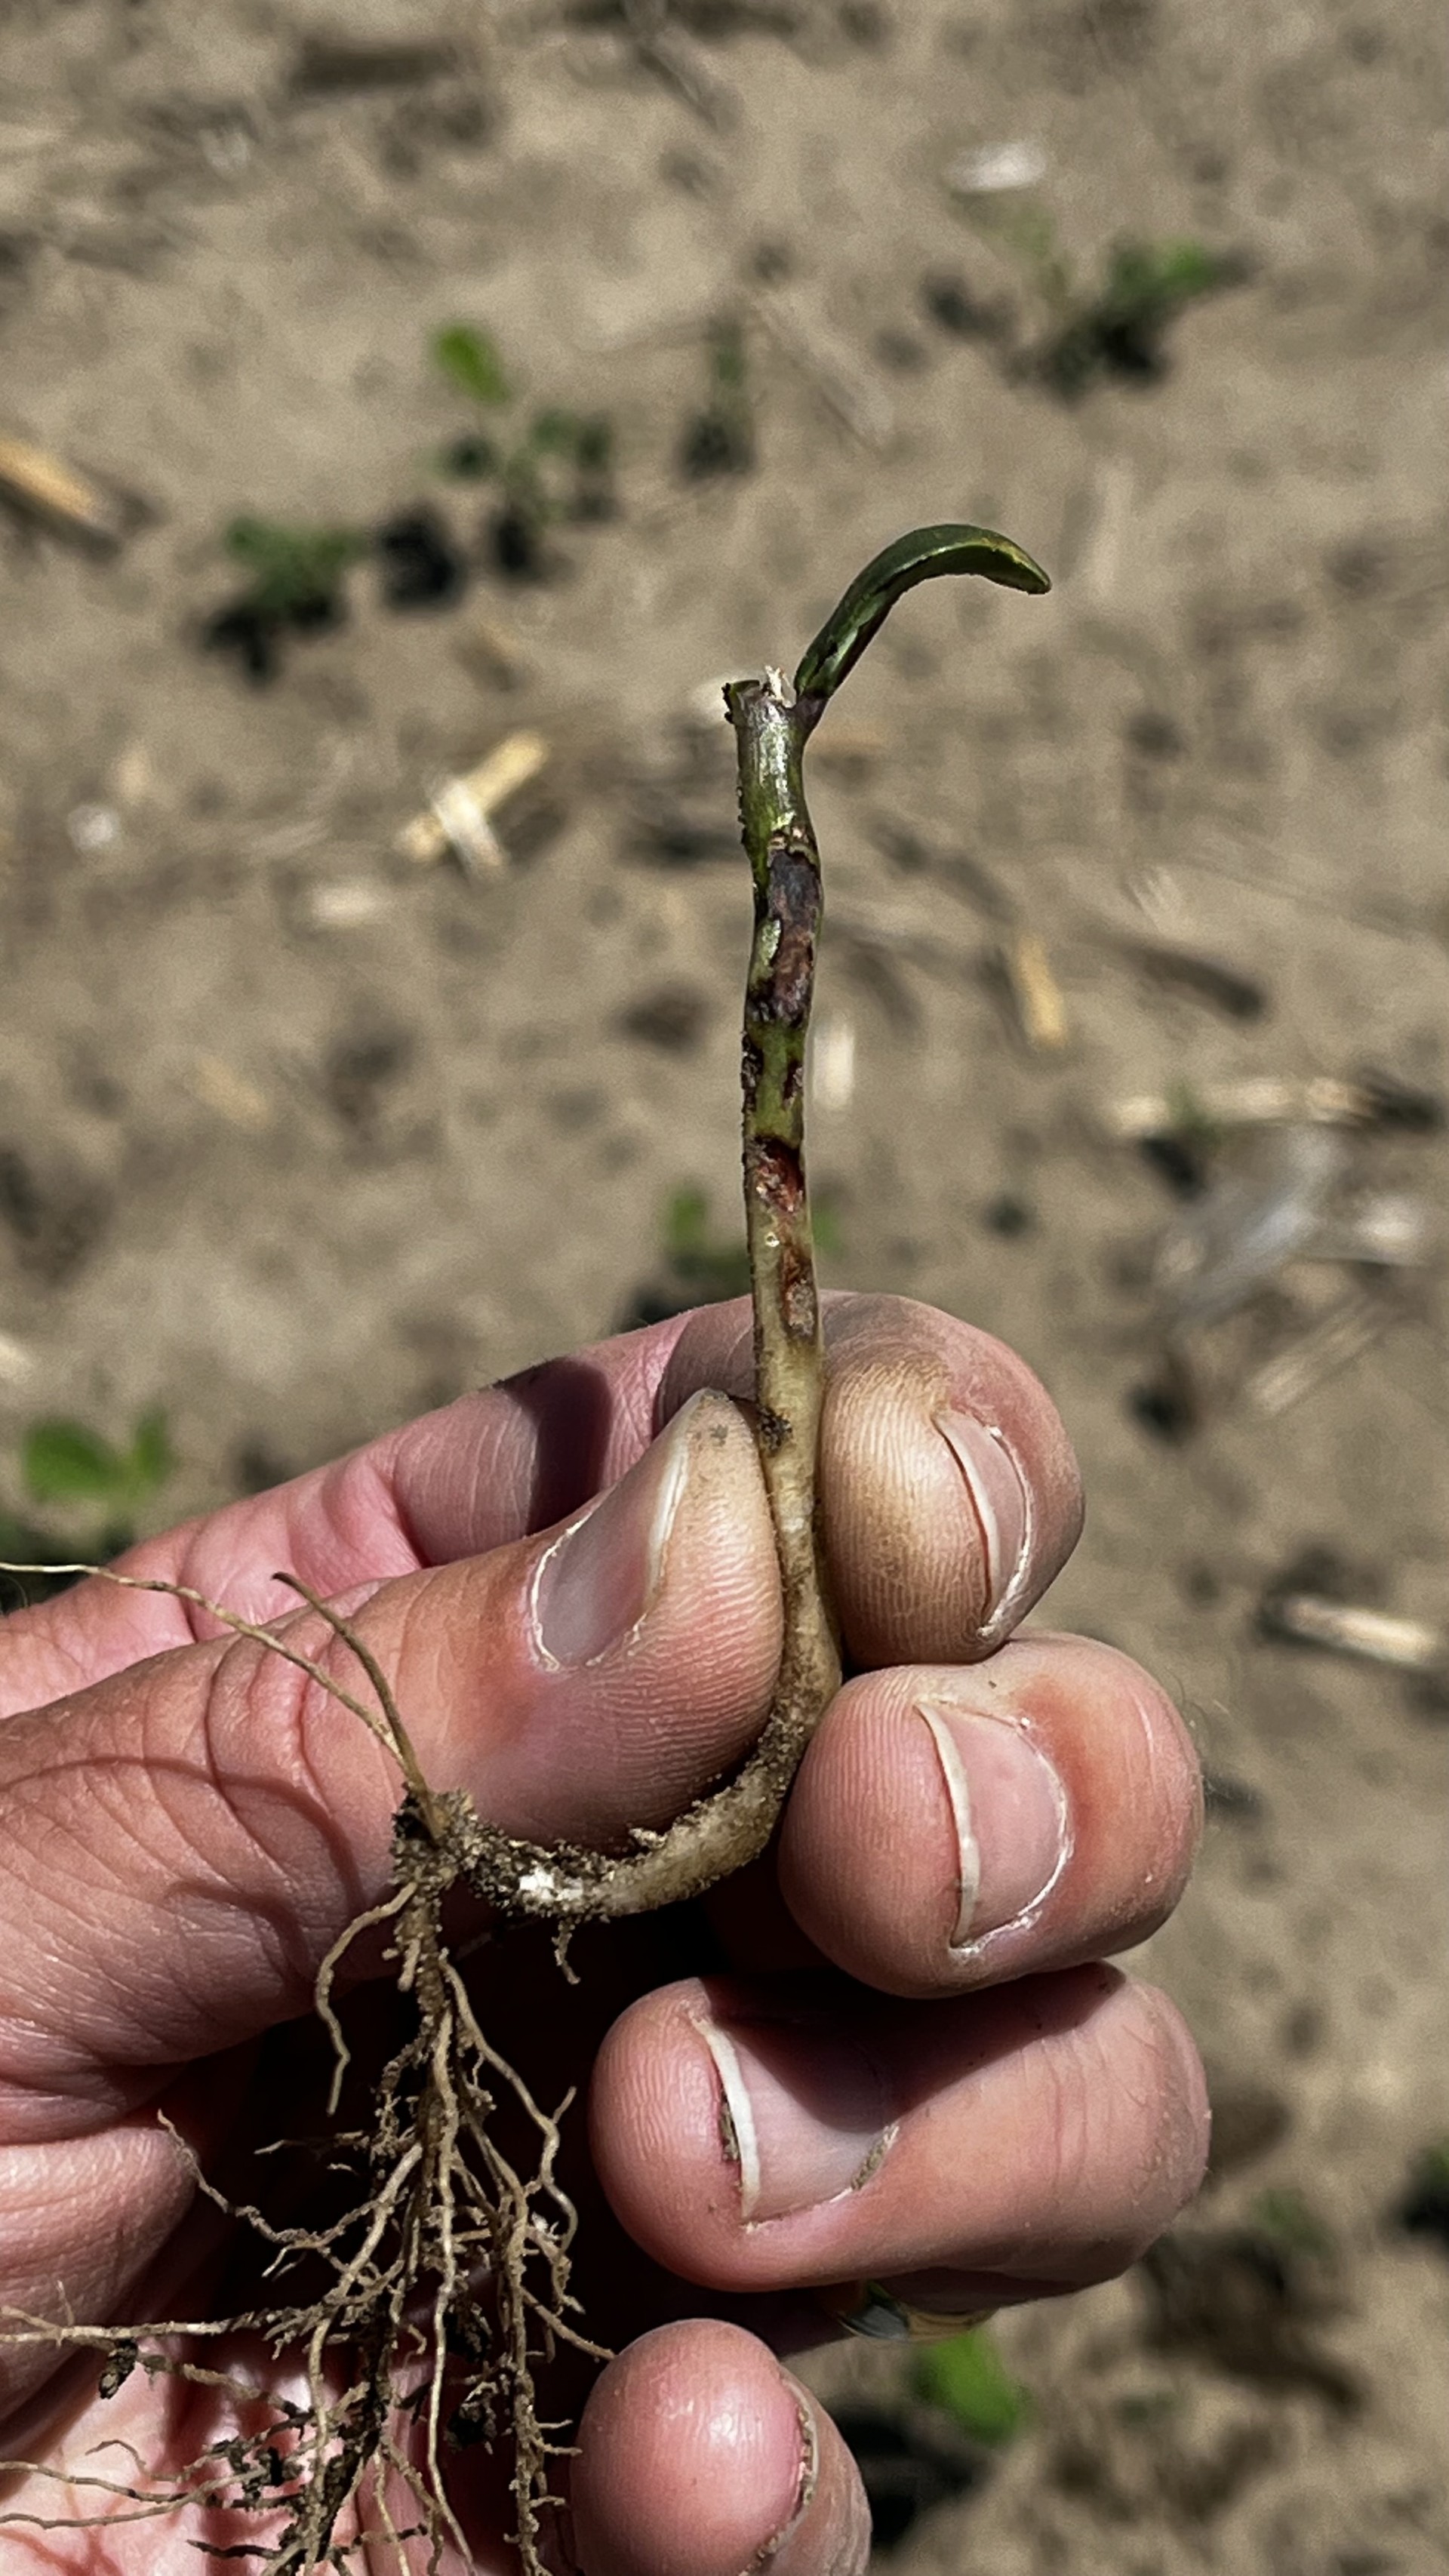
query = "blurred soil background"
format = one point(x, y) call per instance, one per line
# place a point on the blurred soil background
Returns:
point(299, 1134)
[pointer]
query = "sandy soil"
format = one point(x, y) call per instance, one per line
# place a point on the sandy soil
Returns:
point(295, 1137)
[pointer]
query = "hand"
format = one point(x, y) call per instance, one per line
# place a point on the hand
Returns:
point(189, 1824)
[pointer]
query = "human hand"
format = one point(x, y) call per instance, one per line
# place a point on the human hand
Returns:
point(189, 1825)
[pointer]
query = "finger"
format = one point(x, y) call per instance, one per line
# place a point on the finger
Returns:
point(700, 2456)
point(494, 1467)
point(952, 1827)
point(185, 1841)
point(949, 1489)
point(753, 2134)
point(950, 1496)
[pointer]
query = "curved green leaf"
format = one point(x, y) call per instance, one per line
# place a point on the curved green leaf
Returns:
point(921, 556)
point(471, 359)
point(968, 2377)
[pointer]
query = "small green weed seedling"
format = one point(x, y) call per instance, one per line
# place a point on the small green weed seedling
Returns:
point(559, 467)
point(296, 587)
point(67, 1463)
point(720, 439)
point(700, 1266)
point(1119, 327)
point(703, 1265)
point(68, 1468)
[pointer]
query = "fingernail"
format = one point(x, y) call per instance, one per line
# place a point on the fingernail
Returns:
point(1002, 1506)
point(1010, 1813)
point(802, 2113)
point(598, 1579)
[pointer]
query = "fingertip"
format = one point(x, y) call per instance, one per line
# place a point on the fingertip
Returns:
point(952, 1494)
point(1029, 1812)
point(1187, 2110)
point(697, 2457)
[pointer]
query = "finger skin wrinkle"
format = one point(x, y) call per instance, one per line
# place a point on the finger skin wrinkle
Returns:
point(180, 1861)
point(301, 1789)
point(326, 1530)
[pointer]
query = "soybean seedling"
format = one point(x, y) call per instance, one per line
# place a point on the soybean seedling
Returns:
point(444, 2292)
point(559, 467)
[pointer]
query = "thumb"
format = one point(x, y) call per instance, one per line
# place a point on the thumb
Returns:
point(186, 1840)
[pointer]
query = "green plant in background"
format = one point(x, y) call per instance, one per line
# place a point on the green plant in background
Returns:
point(68, 1463)
point(968, 2379)
point(1119, 326)
point(559, 467)
point(1290, 2224)
point(1121, 329)
point(720, 439)
point(67, 1467)
point(705, 1265)
point(295, 585)
point(473, 362)
point(296, 573)
point(699, 1266)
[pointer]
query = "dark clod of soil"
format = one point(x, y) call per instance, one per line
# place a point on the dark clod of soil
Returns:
point(907, 2464)
point(53, 1222)
point(343, 66)
point(358, 1072)
point(715, 443)
point(1181, 1161)
point(1167, 1405)
point(1234, 1799)
point(253, 633)
point(1246, 2302)
point(1155, 735)
point(672, 1019)
point(1424, 2209)
point(253, 638)
point(1008, 1216)
point(1201, 979)
point(516, 541)
point(947, 301)
point(421, 566)
point(677, 841)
